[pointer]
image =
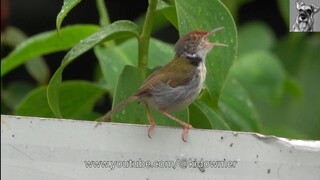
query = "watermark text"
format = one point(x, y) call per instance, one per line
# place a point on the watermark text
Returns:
point(182, 163)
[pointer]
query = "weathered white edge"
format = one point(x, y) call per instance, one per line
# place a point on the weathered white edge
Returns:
point(42, 148)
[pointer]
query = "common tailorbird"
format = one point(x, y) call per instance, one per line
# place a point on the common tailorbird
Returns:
point(178, 83)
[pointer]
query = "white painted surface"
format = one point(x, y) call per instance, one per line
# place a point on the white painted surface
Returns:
point(39, 148)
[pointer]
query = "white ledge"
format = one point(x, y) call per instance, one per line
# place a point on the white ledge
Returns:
point(42, 148)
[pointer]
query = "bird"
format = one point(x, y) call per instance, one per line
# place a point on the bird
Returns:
point(178, 83)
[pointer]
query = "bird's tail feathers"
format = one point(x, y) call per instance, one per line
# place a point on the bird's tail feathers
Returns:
point(108, 115)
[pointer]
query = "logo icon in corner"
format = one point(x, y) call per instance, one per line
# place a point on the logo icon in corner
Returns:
point(304, 16)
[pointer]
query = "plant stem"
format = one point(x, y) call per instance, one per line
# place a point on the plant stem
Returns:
point(145, 36)
point(103, 13)
point(104, 19)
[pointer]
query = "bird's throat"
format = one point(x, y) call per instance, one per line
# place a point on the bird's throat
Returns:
point(194, 59)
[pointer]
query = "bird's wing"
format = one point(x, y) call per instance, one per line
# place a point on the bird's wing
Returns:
point(174, 74)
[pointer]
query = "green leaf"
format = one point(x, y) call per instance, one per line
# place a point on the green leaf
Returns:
point(129, 82)
point(237, 108)
point(12, 36)
point(168, 11)
point(247, 43)
point(36, 66)
point(160, 52)
point(45, 43)
point(284, 9)
point(197, 118)
point(115, 30)
point(299, 53)
point(215, 120)
point(292, 51)
point(112, 60)
point(262, 75)
point(13, 93)
point(160, 21)
point(66, 8)
point(77, 99)
point(207, 15)
point(38, 69)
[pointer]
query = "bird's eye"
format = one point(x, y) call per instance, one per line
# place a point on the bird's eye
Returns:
point(194, 38)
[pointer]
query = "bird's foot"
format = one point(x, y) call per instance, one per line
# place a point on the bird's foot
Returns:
point(185, 131)
point(150, 129)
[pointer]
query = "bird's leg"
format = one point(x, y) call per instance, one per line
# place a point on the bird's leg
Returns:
point(151, 120)
point(185, 125)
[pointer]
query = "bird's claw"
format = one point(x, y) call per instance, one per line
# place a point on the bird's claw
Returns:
point(150, 129)
point(185, 132)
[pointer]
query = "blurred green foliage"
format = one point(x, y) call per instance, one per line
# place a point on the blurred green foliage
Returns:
point(259, 83)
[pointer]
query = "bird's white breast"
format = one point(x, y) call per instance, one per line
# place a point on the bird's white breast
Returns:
point(202, 75)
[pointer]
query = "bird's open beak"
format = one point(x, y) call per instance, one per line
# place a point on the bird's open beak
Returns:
point(214, 31)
